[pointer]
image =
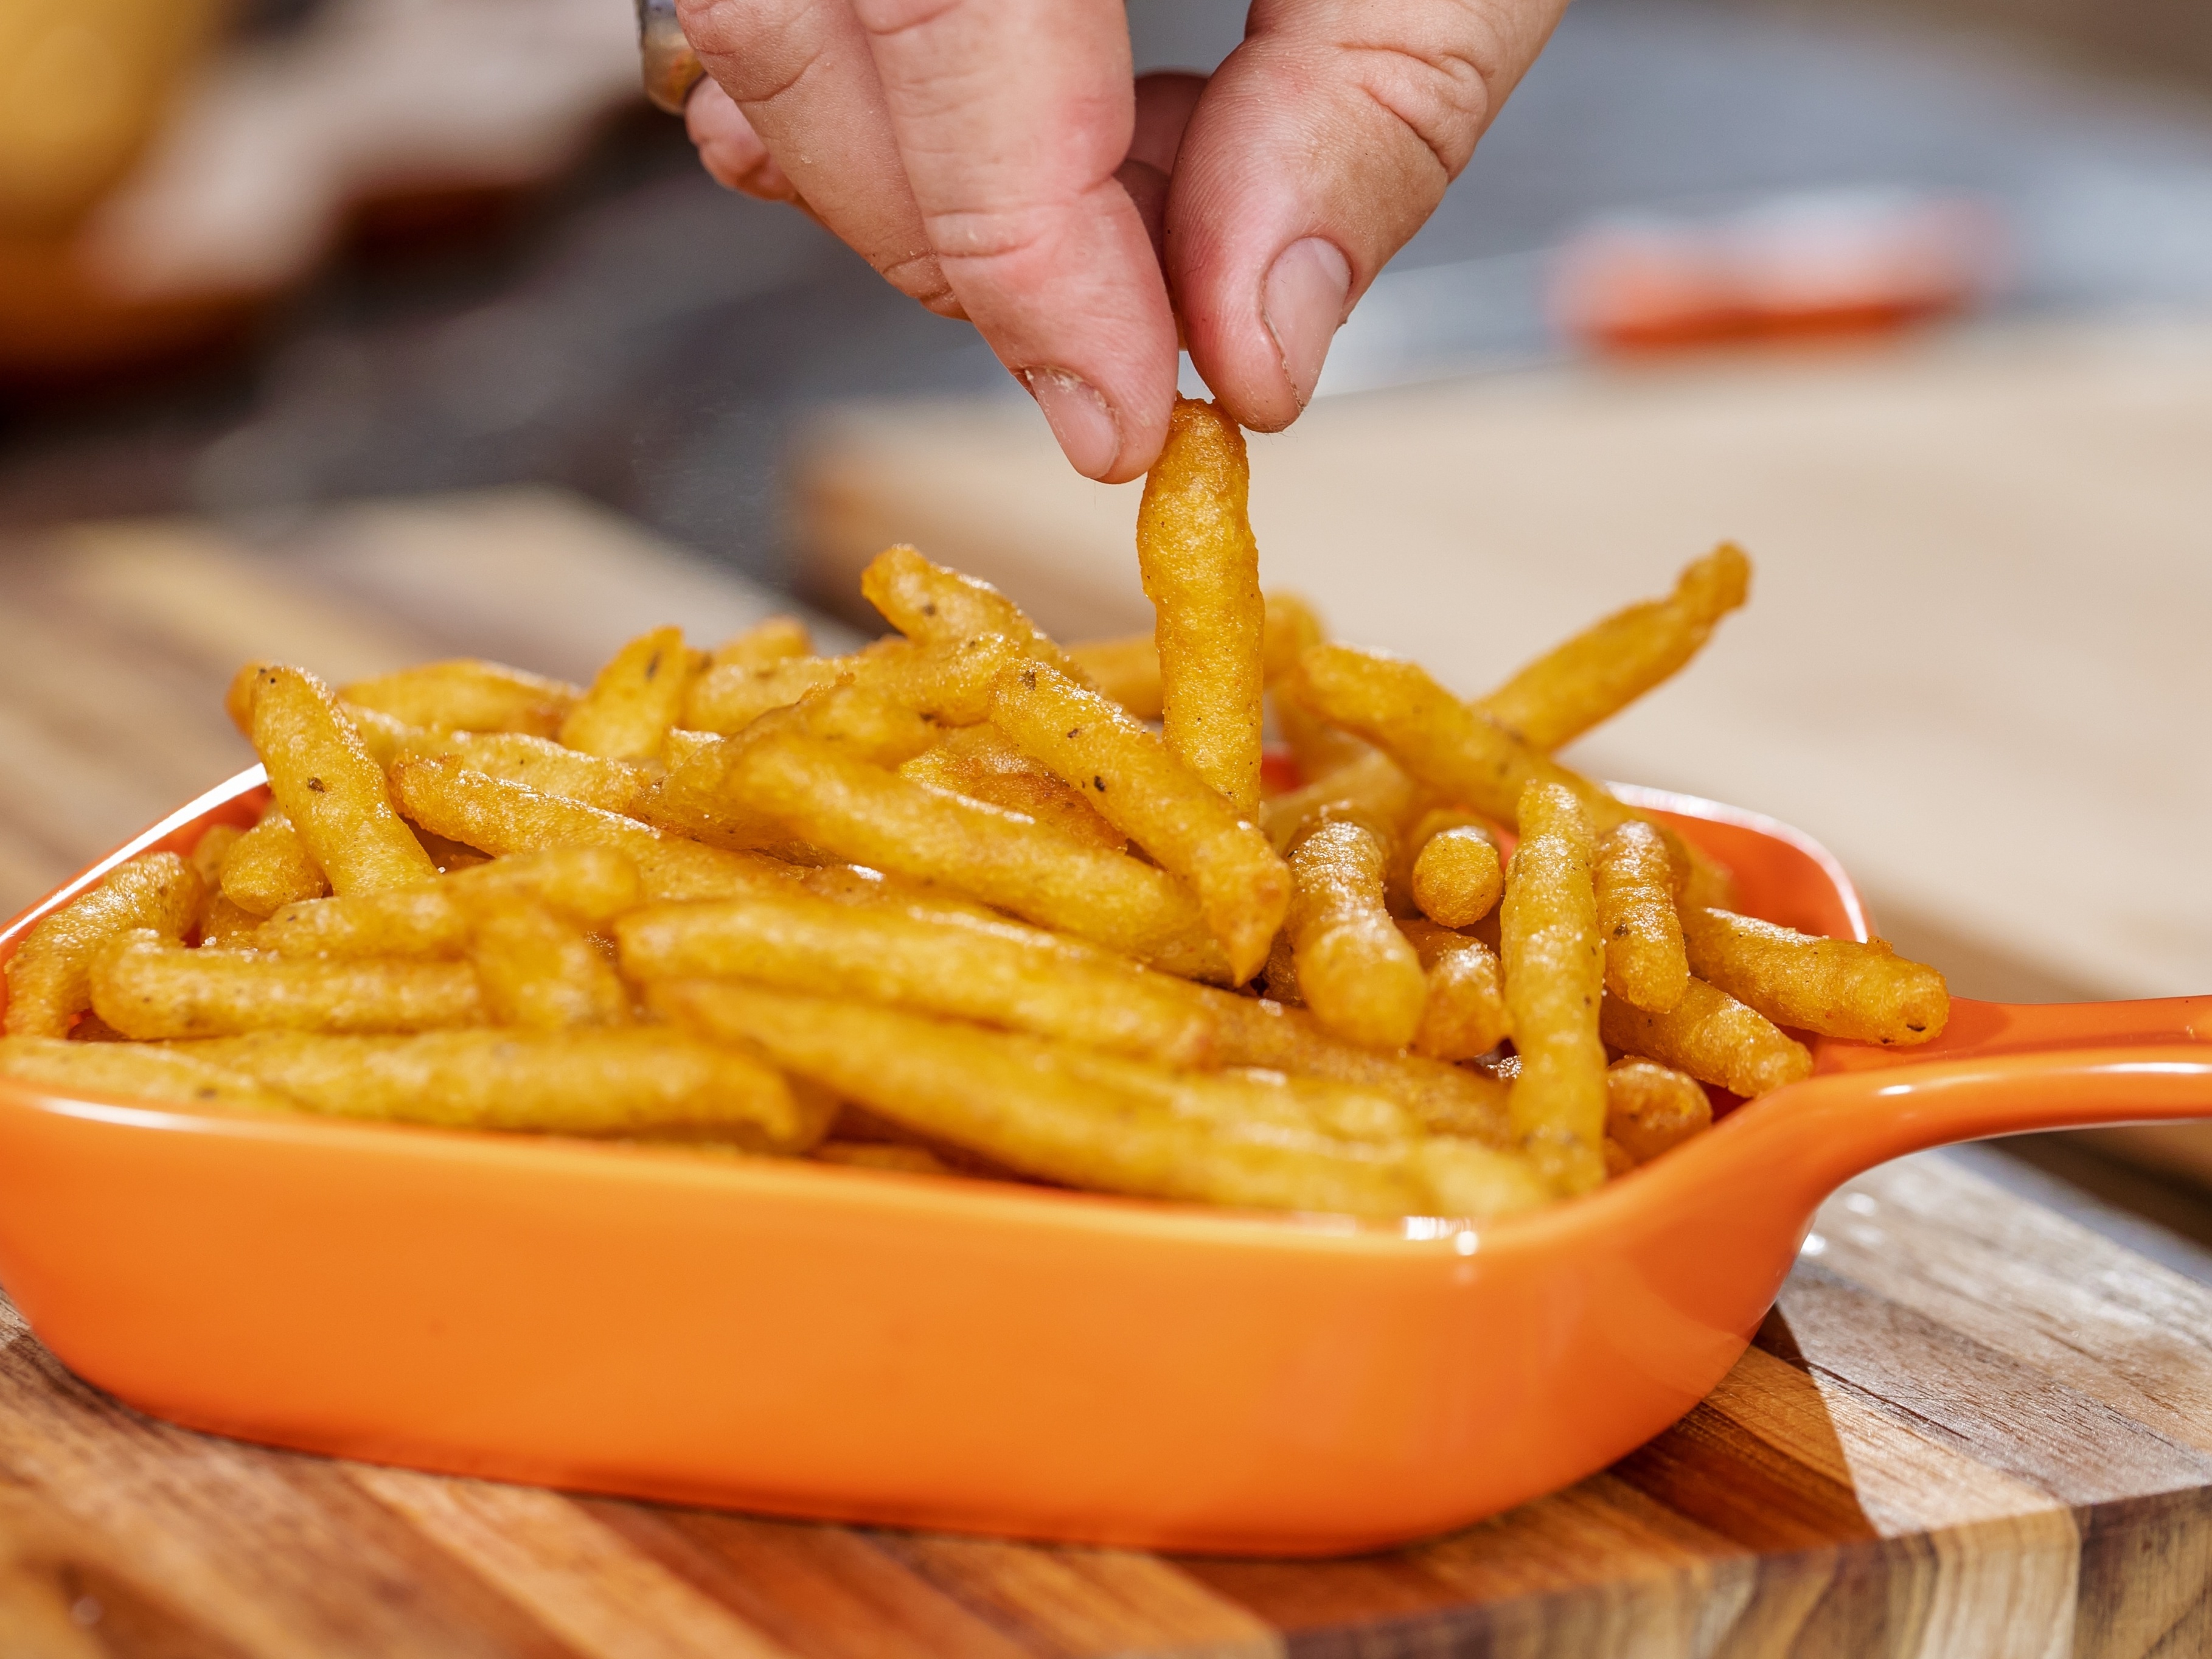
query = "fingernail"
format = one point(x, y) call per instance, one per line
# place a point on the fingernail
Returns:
point(1082, 421)
point(1301, 302)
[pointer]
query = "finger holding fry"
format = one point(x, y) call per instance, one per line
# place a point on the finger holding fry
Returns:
point(1644, 963)
point(1865, 993)
point(1554, 967)
point(50, 976)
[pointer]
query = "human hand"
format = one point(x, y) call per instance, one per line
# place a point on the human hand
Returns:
point(995, 160)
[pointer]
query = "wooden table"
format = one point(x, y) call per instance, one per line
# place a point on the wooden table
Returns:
point(1979, 1422)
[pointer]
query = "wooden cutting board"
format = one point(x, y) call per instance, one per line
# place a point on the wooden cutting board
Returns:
point(1979, 1422)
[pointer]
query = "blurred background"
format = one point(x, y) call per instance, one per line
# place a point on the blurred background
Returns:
point(353, 329)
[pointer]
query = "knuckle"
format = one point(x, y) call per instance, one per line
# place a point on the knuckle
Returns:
point(1437, 91)
point(762, 49)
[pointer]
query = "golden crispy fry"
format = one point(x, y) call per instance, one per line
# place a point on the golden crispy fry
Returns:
point(949, 683)
point(582, 1083)
point(994, 973)
point(133, 1073)
point(468, 696)
point(1652, 1109)
point(1606, 667)
point(637, 697)
point(1127, 670)
point(539, 763)
point(1201, 572)
point(772, 639)
point(855, 883)
point(1712, 1036)
point(1708, 886)
point(878, 818)
point(1554, 967)
point(1643, 960)
point(499, 818)
point(1465, 1013)
point(1096, 1120)
point(207, 856)
point(238, 696)
point(1143, 788)
point(223, 923)
point(861, 720)
point(731, 697)
point(1279, 978)
point(330, 788)
point(1455, 880)
point(1356, 971)
point(1837, 987)
point(589, 885)
point(1320, 750)
point(983, 763)
point(936, 607)
point(148, 988)
point(1372, 789)
point(1290, 627)
point(1443, 743)
point(539, 971)
point(269, 867)
point(50, 976)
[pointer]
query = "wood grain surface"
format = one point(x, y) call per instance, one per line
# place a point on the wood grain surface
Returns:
point(1979, 1421)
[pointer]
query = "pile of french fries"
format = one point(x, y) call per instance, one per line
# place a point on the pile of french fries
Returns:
point(970, 902)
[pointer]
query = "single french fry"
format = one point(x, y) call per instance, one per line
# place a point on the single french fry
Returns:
point(731, 697)
point(1141, 786)
point(207, 856)
point(149, 989)
point(50, 976)
point(1127, 669)
point(589, 885)
point(501, 819)
point(539, 762)
point(333, 792)
point(1644, 963)
point(1293, 627)
point(983, 763)
point(1603, 669)
point(1290, 627)
point(1554, 966)
point(1201, 571)
point(1652, 1109)
point(772, 639)
point(133, 1071)
point(949, 683)
point(593, 1082)
point(941, 608)
point(223, 923)
point(979, 971)
point(1455, 878)
point(1279, 978)
point(1372, 789)
point(856, 884)
point(878, 818)
point(636, 699)
point(1356, 971)
point(539, 971)
point(468, 696)
point(269, 867)
point(1712, 1036)
point(1101, 1121)
point(1464, 1014)
point(1837, 987)
point(1438, 739)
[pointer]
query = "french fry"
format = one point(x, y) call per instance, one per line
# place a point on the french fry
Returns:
point(1606, 667)
point(269, 867)
point(1712, 1036)
point(207, 856)
point(333, 792)
point(1444, 744)
point(50, 976)
point(1127, 669)
point(1137, 783)
point(1201, 571)
point(1837, 987)
point(942, 609)
point(589, 885)
point(1554, 966)
point(949, 683)
point(1101, 1120)
point(223, 923)
point(1464, 1014)
point(1455, 878)
point(730, 697)
point(501, 818)
point(1644, 963)
point(1293, 627)
point(1289, 628)
point(635, 700)
point(597, 1082)
point(772, 639)
point(1371, 788)
point(149, 989)
point(1652, 1109)
point(993, 973)
point(539, 762)
point(983, 763)
point(468, 696)
point(878, 818)
point(1356, 971)
point(541, 972)
point(133, 1071)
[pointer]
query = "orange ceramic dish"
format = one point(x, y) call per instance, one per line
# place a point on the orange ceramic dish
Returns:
point(809, 1340)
